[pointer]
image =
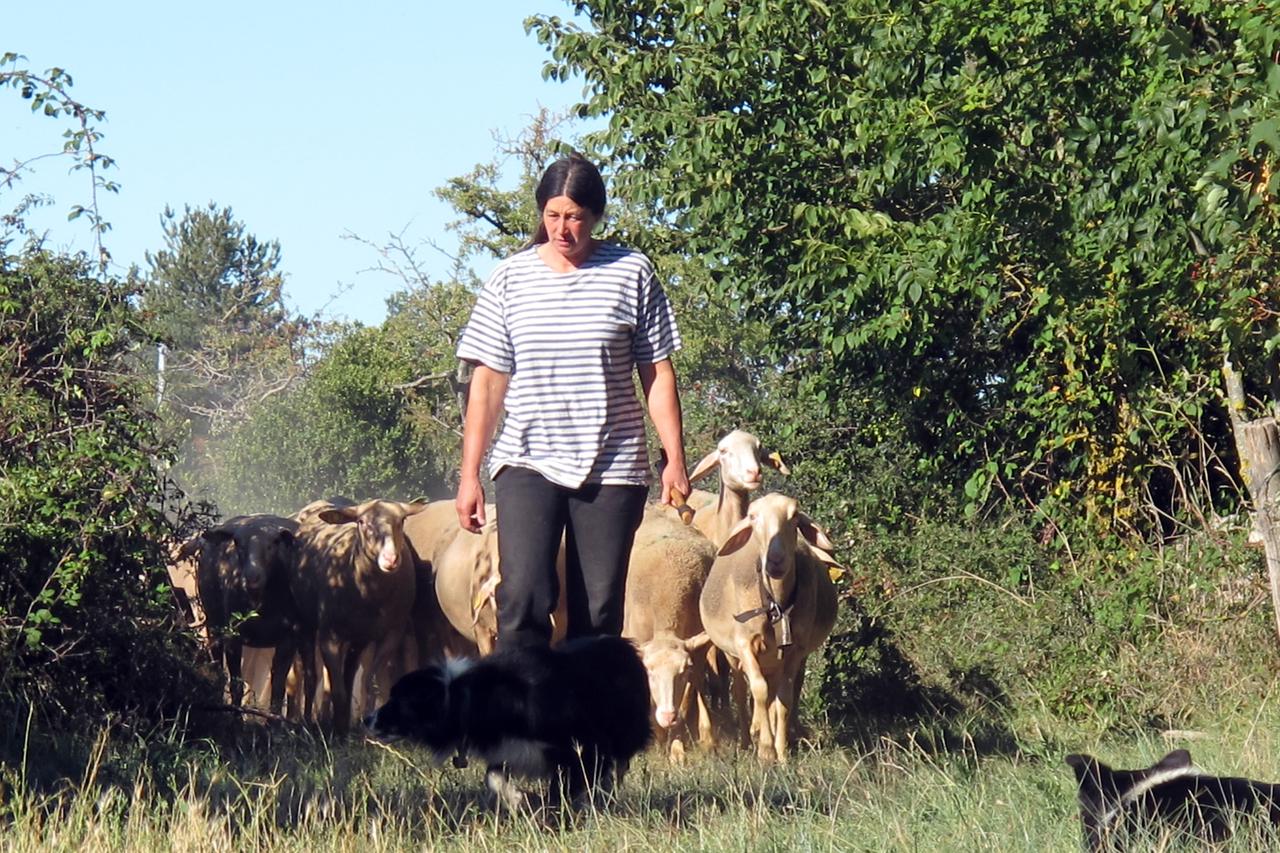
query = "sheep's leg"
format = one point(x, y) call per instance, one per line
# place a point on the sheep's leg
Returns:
point(721, 693)
point(331, 649)
point(358, 670)
point(281, 662)
point(702, 703)
point(385, 654)
point(741, 705)
point(307, 651)
point(759, 703)
point(780, 713)
point(796, 726)
point(232, 649)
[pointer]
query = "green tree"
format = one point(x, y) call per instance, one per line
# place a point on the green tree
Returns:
point(376, 416)
point(214, 296)
point(1019, 230)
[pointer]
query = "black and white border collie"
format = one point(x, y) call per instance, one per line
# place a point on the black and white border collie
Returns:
point(1119, 805)
point(574, 715)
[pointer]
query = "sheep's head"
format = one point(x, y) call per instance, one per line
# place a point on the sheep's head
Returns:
point(773, 522)
point(256, 547)
point(669, 663)
point(379, 529)
point(739, 456)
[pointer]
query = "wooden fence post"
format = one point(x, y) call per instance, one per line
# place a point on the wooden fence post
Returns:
point(1261, 440)
point(1258, 445)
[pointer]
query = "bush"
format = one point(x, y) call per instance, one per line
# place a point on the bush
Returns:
point(87, 626)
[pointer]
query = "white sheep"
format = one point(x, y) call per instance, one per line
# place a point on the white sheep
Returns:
point(767, 604)
point(466, 583)
point(738, 457)
point(668, 566)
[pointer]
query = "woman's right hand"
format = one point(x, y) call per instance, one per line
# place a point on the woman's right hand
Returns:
point(470, 504)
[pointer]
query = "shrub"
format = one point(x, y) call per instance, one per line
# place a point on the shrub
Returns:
point(86, 623)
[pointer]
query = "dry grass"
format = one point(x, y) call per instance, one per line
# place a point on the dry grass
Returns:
point(296, 792)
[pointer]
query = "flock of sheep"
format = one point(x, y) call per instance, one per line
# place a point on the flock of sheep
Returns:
point(724, 610)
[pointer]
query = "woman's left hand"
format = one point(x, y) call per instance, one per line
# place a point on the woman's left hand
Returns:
point(674, 482)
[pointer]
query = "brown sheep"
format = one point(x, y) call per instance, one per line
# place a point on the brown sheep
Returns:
point(768, 603)
point(184, 560)
point(428, 534)
point(467, 578)
point(668, 567)
point(353, 579)
point(243, 583)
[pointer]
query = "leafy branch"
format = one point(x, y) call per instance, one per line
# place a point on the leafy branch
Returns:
point(49, 94)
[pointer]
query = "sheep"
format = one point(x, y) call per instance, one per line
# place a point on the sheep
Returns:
point(353, 579)
point(184, 560)
point(467, 577)
point(668, 566)
point(767, 604)
point(428, 534)
point(243, 569)
point(739, 456)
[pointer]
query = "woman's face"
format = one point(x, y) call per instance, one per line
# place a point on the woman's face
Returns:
point(568, 227)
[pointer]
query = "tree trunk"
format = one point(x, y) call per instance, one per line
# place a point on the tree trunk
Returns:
point(1260, 444)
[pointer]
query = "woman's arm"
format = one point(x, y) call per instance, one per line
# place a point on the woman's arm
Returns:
point(658, 381)
point(484, 404)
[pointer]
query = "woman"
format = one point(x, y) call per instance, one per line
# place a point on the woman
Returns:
point(554, 337)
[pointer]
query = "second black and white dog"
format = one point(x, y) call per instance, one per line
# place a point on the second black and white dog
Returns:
point(1119, 805)
point(574, 715)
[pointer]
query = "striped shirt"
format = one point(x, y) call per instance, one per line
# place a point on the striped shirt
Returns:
point(570, 342)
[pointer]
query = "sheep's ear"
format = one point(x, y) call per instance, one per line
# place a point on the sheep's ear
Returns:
point(413, 508)
point(697, 641)
point(190, 548)
point(709, 463)
point(774, 458)
point(221, 533)
point(815, 535)
point(483, 595)
point(739, 536)
point(339, 515)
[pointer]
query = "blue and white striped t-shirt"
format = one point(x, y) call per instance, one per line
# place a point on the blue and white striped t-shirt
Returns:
point(569, 342)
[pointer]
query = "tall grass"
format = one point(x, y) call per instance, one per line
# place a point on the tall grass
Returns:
point(292, 791)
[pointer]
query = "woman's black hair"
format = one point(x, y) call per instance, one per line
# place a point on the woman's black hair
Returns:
point(576, 177)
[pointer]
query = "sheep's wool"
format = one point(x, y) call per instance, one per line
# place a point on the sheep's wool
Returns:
point(569, 342)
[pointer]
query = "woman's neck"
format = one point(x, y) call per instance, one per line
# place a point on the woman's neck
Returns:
point(557, 262)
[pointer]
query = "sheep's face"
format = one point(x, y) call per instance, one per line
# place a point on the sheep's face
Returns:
point(739, 455)
point(379, 530)
point(262, 553)
point(669, 663)
point(669, 667)
point(774, 522)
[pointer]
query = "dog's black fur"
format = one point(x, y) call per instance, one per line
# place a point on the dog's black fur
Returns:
point(1116, 805)
point(574, 715)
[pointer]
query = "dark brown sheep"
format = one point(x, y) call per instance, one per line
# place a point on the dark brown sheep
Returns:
point(243, 582)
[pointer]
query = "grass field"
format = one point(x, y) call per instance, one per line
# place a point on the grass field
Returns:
point(275, 790)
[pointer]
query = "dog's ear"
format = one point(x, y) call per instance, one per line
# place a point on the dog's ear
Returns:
point(1085, 766)
point(1179, 759)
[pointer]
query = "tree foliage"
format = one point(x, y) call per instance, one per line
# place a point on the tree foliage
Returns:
point(376, 416)
point(87, 626)
point(1025, 231)
point(214, 293)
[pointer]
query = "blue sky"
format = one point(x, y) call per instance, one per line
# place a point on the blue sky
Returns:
point(310, 121)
